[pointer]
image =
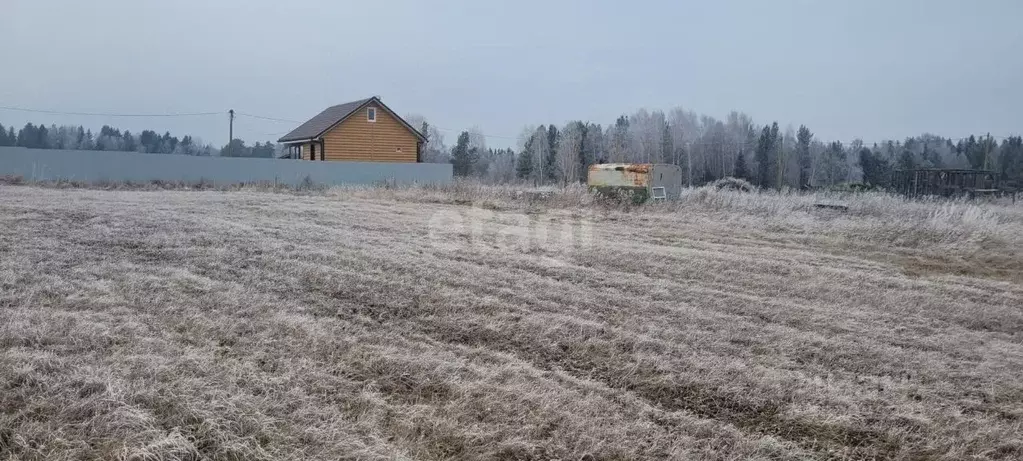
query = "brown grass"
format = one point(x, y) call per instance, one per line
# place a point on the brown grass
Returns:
point(352, 323)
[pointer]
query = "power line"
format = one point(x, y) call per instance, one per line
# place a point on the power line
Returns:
point(103, 114)
point(484, 135)
point(268, 118)
point(197, 114)
point(255, 131)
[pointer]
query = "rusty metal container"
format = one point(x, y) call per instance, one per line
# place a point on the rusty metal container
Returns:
point(640, 181)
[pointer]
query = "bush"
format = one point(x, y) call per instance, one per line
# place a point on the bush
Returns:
point(735, 184)
point(853, 187)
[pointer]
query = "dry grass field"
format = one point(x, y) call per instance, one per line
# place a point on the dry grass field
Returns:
point(369, 324)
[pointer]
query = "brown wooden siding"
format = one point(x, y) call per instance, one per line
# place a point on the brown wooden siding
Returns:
point(306, 151)
point(358, 139)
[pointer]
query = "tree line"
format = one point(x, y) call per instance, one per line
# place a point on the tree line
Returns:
point(708, 149)
point(107, 139)
point(112, 139)
point(704, 147)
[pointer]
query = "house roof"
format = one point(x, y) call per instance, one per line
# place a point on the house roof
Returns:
point(334, 115)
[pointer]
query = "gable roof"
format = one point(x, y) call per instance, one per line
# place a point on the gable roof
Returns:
point(334, 115)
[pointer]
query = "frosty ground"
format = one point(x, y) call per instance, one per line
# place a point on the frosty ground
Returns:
point(438, 324)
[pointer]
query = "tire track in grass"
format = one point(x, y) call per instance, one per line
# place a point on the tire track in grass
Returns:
point(665, 390)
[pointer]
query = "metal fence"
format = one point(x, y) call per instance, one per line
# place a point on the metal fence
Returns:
point(94, 166)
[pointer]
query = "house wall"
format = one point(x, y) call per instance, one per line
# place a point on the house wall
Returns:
point(307, 150)
point(358, 139)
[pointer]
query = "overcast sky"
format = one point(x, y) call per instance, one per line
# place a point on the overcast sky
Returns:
point(872, 69)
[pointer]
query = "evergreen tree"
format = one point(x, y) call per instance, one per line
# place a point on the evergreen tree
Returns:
point(524, 164)
point(907, 161)
point(803, 139)
point(1010, 159)
point(425, 131)
point(835, 166)
point(12, 137)
point(187, 146)
point(461, 156)
point(584, 150)
point(926, 155)
point(667, 144)
point(875, 168)
point(56, 137)
point(741, 171)
point(88, 143)
point(258, 150)
point(150, 142)
point(620, 143)
point(975, 151)
point(761, 156)
point(43, 137)
point(594, 146)
point(765, 155)
point(28, 136)
point(988, 148)
point(129, 144)
point(168, 143)
point(3, 136)
point(481, 160)
point(550, 167)
point(235, 148)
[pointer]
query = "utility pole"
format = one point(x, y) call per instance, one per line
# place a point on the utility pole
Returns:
point(230, 132)
point(987, 151)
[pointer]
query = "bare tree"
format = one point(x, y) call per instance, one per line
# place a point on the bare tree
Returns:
point(646, 136)
point(619, 140)
point(538, 148)
point(567, 156)
point(738, 138)
point(434, 150)
point(788, 171)
point(682, 125)
point(816, 152)
point(478, 150)
point(596, 145)
point(415, 120)
point(476, 139)
point(502, 166)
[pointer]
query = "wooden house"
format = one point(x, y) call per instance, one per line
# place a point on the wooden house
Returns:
point(364, 131)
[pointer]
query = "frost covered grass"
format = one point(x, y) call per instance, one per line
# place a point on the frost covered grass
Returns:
point(351, 323)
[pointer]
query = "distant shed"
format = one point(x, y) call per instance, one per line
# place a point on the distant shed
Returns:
point(945, 182)
point(642, 180)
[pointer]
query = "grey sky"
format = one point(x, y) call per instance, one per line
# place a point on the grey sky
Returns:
point(858, 68)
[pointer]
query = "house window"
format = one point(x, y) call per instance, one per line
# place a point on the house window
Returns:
point(371, 114)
